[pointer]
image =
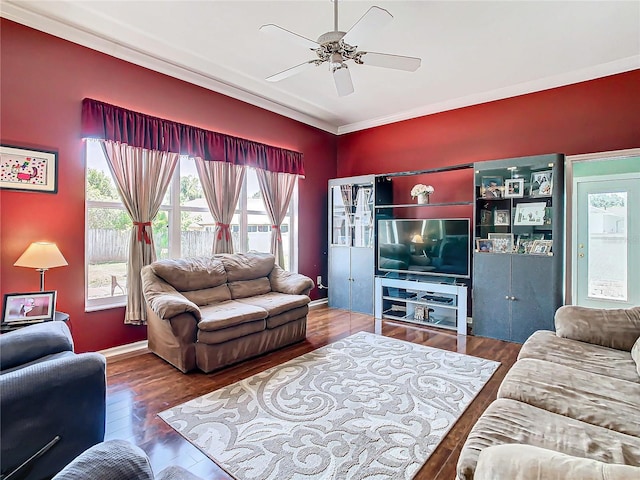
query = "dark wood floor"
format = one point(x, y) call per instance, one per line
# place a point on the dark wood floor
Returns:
point(141, 386)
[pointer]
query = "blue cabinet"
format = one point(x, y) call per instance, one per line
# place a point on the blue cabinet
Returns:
point(519, 246)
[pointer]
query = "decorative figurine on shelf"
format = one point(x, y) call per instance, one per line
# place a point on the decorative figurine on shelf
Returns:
point(422, 192)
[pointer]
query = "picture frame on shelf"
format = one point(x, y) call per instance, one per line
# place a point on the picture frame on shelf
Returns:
point(485, 217)
point(541, 184)
point(29, 307)
point(492, 187)
point(541, 247)
point(524, 242)
point(484, 245)
point(502, 242)
point(514, 188)
point(28, 169)
point(530, 213)
point(502, 218)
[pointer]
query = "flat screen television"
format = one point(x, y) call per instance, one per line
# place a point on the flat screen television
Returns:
point(438, 246)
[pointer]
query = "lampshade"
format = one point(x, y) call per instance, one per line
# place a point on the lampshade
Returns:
point(41, 255)
point(417, 238)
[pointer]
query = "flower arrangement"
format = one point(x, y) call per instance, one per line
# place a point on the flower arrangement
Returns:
point(421, 189)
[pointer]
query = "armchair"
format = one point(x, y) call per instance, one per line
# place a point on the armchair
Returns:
point(48, 391)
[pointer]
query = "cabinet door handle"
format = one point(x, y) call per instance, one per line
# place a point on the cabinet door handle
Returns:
point(507, 297)
point(513, 298)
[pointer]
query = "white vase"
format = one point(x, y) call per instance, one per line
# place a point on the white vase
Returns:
point(423, 199)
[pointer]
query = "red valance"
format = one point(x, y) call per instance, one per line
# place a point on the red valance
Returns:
point(108, 122)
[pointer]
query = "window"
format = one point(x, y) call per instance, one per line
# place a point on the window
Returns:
point(184, 226)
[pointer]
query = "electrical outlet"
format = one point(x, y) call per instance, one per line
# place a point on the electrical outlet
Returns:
point(319, 280)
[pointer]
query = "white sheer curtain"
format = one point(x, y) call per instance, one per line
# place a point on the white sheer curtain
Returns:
point(142, 177)
point(221, 184)
point(277, 189)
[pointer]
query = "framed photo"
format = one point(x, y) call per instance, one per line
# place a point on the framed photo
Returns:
point(502, 242)
point(485, 217)
point(530, 213)
point(33, 170)
point(502, 217)
point(541, 247)
point(514, 188)
point(484, 245)
point(491, 187)
point(30, 307)
point(541, 184)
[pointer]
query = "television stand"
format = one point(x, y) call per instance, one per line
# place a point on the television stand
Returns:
point(442, 305)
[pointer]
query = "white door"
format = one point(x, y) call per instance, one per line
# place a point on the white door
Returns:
point(607, 273)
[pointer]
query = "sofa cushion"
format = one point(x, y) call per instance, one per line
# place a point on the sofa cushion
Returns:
point(207, 296)
point(545, 345)
point(635, 354)
point(247, 266)
point(510, 421)
point(228, 314)
point(288, 316)
point(249, 288)
point(229, 333)
point(276, 303)
point(525, 462)
point(193, 273)
point(597, 399)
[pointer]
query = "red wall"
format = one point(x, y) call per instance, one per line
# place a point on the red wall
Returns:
point(43, 80)
point(594, 116)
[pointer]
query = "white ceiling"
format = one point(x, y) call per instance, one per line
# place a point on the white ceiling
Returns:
point(472, 51)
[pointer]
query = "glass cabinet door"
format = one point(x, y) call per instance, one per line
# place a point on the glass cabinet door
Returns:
point(352, 215)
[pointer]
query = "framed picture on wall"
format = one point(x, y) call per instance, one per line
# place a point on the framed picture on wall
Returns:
point(28, 169)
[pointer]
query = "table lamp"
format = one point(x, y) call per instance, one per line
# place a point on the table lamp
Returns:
point(42, 256)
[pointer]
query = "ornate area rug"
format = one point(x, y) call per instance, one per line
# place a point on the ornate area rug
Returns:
point(366, 407)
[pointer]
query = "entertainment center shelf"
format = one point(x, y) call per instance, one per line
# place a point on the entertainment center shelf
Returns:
point(442, 305)
point(413, 205)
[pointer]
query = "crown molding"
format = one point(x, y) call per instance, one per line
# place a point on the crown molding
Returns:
point(21, 13)
point(603, 70)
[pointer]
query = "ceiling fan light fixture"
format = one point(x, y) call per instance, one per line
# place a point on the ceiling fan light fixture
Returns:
point(337, 62)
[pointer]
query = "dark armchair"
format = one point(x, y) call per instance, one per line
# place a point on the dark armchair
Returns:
point(118, 460)
point(52, 401)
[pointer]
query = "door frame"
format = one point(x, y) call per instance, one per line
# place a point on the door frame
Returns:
point(570, 206)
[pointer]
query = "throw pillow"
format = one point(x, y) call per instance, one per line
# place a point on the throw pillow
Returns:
point(635, 354)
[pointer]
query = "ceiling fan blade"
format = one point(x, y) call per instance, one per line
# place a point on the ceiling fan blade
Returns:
point(290, 71)
point(374, 19)
point(342, 79)
point(399, 62)
point(285, 34)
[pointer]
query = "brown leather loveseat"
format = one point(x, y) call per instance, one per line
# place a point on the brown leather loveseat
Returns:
point(210, 312)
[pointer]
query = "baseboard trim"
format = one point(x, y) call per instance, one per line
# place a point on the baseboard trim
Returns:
point(128, 350)
point(318, 303)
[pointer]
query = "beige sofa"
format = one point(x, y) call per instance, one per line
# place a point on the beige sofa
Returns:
point(210, 312)
point(570, 406)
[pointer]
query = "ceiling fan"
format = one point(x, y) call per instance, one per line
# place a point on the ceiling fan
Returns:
point(337, 47)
